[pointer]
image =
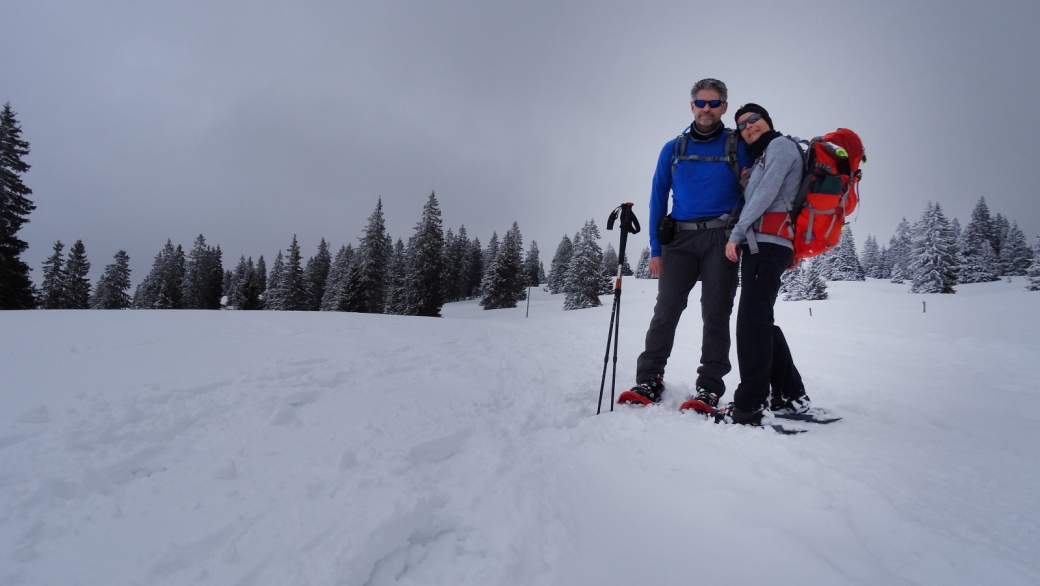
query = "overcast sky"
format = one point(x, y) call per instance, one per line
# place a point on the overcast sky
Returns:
point(249, 122)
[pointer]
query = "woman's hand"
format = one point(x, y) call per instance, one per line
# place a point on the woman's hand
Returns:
point(731, 252)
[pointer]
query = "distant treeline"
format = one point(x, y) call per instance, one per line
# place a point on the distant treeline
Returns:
point(434, 267)
point(376, 276)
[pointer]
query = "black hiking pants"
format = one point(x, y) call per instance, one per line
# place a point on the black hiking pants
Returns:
point(763, 356)
point(693, 255)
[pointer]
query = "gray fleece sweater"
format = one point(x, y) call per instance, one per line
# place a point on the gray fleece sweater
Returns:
point(776, 174)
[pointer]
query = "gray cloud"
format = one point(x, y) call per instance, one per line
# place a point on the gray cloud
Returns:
point(249, 122)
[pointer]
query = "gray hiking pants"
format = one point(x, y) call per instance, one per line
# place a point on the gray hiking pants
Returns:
point(693, 255)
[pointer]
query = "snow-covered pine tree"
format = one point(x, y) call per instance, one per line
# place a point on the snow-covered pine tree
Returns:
point(16, 289)
point(214, 288)
point(844, 264)
point(514, 258)
point(899, 252)
point(228, 287)
point(112, 286)
point(261, 275)
point(815, 288)
point(273, 296)
point(978, 247)
point(473, 269)
point(826, 262)
point(488, 261)
point(464, 250)
point(316, 274)
point(643, 266)
point(397, 281)
point(871, 261)
point(805, 282)
point(506, 284)
point(884, 263)
point(77, 285)
point(371, 259)
point(52, 290)
point(203, 276)
point(195, 275)
point(541, 272)
point(559, 266)
point(532, 266)
point(247, 293)
point(1001, 228)
point(585, 273)
point(955, 235)
point(237, 276)
point(1033, 274)
point(567, 285)
point(294, 290)
point(424, 287)
point(232, 280)
point(932, 264)
point(354, 296)
point(1015, 254)
point(334, 284)
point(610, 261)
point(161, 288)
point(177, 266)
point(978, 266)
point(452, 267)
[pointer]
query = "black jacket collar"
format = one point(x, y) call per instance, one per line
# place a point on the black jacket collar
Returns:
point(706, 136)
point(758, 148)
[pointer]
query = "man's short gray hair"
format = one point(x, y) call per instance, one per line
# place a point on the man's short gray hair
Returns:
point(709, 84)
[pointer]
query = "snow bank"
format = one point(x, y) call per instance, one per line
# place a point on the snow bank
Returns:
point(311, 448)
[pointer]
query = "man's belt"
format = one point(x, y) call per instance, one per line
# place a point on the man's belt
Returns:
point(703, 225)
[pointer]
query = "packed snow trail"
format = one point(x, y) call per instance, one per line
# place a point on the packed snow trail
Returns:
point(154, 447)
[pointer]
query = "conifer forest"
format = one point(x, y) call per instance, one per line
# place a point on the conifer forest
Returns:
point(419, 273)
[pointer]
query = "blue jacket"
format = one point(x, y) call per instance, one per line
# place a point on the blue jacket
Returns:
point(699, 189)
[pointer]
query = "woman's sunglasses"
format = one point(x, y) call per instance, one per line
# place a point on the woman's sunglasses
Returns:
point(749, 120)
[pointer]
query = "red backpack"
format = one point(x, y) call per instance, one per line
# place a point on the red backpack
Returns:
point(829, 192)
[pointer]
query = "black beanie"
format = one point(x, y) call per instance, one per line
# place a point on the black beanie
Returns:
point(751, 107)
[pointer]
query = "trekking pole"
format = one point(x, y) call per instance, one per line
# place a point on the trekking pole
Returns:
point(629, 225)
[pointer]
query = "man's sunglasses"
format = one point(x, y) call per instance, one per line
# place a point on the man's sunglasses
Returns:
point(703, 103)
point(749, 120)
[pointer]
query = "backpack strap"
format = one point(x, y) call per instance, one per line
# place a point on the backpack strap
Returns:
point(779, 223)
point(679, 149)
point(730, 156)
point(808, 162)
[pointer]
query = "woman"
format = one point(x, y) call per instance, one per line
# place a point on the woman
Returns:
point(762, 353)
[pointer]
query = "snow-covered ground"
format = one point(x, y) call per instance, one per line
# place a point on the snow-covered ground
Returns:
point(152, 447)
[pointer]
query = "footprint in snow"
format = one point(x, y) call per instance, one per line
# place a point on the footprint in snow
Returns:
point(439, 449)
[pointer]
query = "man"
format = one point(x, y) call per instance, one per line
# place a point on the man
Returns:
point(701, 169)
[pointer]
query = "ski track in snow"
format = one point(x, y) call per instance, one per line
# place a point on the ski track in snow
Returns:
point(310, 448)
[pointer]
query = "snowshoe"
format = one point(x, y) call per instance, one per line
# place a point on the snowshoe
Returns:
point(813, 415)
point(705, 403)
point(643, 393)
point(758, 419)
